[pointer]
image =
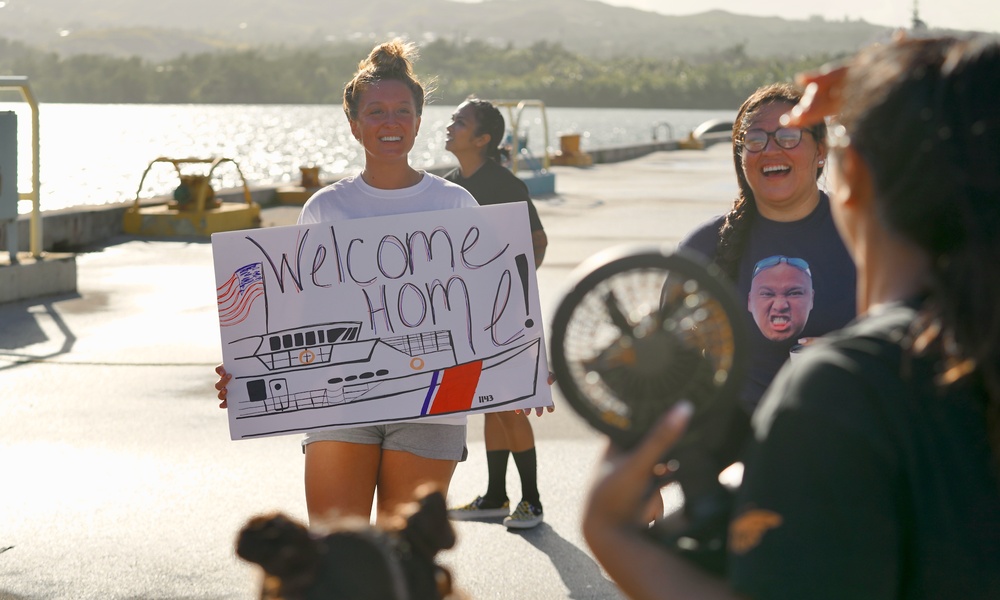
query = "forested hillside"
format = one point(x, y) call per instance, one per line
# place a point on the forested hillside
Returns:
point(565, 52)
point(301, 76)
point(161, 30)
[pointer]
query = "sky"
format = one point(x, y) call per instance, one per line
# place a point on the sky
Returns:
point(966, 15)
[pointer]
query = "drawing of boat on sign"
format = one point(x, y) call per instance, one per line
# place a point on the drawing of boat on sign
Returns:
point(328, 366)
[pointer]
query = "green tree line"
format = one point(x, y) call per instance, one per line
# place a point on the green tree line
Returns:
point(545, 71)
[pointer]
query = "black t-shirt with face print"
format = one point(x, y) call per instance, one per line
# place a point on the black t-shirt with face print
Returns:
point(780, 307)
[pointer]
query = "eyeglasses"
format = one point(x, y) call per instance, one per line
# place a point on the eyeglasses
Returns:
point(777, 259)
point(755, 140)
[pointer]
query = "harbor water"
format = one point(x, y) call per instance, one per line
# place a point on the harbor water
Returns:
point(94, 154)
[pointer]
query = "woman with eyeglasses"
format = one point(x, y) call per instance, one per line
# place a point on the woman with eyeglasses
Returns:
point(874, 471)
point(779, 211)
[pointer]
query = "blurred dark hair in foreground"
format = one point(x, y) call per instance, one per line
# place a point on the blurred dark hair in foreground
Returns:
point(353, 560)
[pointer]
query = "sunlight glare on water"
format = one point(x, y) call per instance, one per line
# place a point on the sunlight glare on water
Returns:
point(93, 154)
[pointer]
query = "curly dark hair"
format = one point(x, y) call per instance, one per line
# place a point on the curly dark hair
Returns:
point(355, 561)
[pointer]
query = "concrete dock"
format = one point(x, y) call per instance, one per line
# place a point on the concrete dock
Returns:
point(118, 479)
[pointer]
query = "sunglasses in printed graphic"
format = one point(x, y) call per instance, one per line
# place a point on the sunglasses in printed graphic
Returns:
point(755, 140)
point(777, 259)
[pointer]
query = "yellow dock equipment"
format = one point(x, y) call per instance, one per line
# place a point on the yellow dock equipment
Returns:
point(298, 194)
point(194, 209)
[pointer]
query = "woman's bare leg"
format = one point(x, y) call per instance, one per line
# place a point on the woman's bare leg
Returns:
point(508, 430)
point(401, 474)
point(340, 479)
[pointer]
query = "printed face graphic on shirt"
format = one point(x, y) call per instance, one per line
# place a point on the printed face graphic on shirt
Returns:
point(781, 297)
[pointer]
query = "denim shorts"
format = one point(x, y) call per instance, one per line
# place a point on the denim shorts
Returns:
point(427, 440)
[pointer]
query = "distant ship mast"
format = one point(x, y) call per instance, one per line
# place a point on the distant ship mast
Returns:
point(917, 24)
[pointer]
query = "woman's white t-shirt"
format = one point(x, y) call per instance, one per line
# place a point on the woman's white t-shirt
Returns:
point(352, 198)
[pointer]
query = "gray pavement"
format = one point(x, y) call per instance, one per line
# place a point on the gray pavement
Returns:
point(118, 479)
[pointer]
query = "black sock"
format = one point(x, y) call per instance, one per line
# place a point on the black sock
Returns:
point(496, 464)
point(527, 468)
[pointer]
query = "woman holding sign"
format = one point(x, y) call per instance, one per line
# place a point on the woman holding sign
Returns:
point(346, 469)
point(474, 137)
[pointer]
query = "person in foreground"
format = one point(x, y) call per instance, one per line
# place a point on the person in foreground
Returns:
point(874, 471)
point(346, 468)
point(350, 560)
point(474, 137)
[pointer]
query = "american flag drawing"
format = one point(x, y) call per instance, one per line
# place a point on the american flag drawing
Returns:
point(236, 296)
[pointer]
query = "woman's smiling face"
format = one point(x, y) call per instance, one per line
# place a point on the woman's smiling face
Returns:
point(781, 178)
point(387, 122)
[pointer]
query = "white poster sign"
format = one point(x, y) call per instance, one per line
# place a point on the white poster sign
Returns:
point(379, 320)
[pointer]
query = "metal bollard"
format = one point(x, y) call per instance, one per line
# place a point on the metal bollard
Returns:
point(8, 180)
